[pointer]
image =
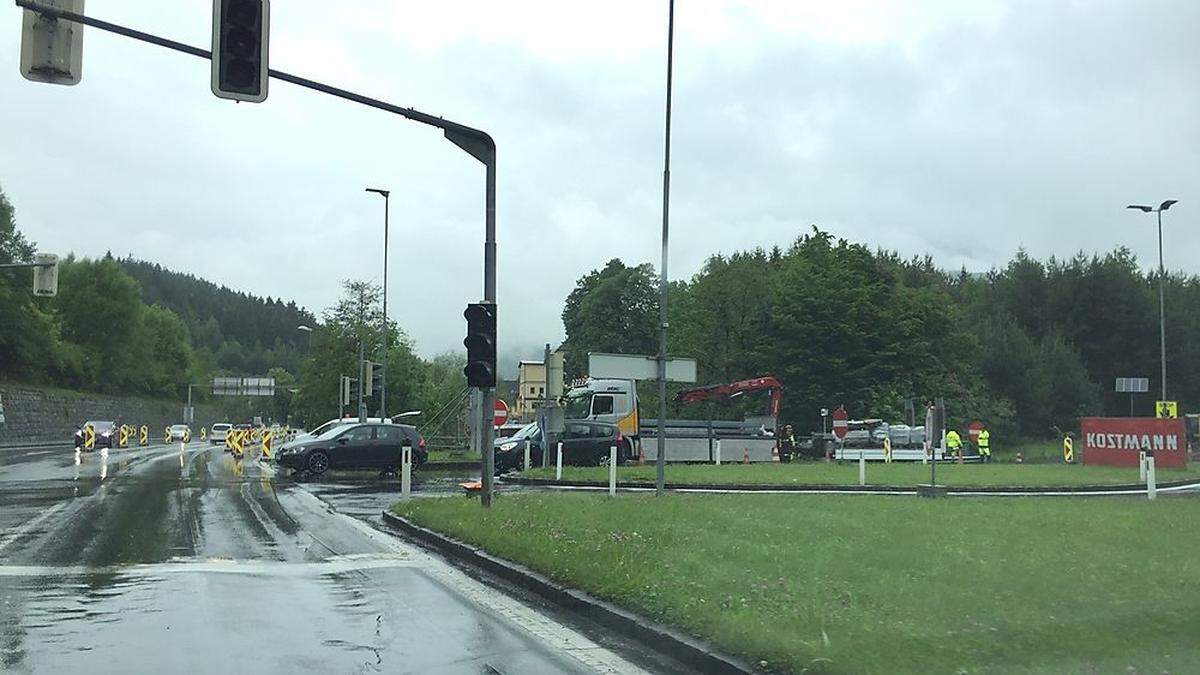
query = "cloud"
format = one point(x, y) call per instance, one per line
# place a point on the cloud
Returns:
point(965, 130)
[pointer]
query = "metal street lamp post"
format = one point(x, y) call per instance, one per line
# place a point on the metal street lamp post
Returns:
point(383, 371)
point(1162, 276)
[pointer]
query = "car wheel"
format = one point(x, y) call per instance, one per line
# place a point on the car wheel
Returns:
point(318, 463)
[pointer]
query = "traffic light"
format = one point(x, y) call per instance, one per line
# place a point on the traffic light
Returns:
point(481, 345)
point(239, 49)
point(45, 275)
point(344, 390)
point(52, 49)
point(377, 378)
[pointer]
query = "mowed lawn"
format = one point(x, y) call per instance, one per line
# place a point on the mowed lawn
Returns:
point(903, 474)
point(874, 584)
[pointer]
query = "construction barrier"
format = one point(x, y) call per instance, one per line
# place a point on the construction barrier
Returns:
point(239, 440)
point(203, 434)
point(166, 435)
point(123, 436)
point(144, 435)
point(267, 436)
point(89, 437)
point(887, 450)
point(1068, 450)
point(187, 435)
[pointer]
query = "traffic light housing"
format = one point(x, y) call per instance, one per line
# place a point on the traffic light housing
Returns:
point(239, 49)
point(481, 345)
point(52, 49)
point(376, 378)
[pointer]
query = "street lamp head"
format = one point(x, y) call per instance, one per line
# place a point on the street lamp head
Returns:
point(385, 193)
point(1167, 204)
point(1140, 207)
point(304, 328)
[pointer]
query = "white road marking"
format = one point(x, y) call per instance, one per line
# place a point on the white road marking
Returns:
point(513, 611)
point(21, 531)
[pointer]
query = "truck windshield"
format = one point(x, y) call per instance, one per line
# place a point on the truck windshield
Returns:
point(579, 405)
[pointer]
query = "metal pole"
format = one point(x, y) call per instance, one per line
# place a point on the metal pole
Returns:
point(362, 357)
point(660, 462)
point(488, 398)
point(1162, 308)
point(383, 372)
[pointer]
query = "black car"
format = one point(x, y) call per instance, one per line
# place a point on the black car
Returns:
point(354, 446)
point(106, 434)
point(585, 443)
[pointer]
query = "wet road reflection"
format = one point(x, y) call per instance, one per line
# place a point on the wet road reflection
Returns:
point(167, 558)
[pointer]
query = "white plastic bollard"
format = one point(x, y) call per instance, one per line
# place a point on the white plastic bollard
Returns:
point(1142, 466)
point(862, 469)
point(558, 463)
point(1151, 487)
point(526, 454)
point(718, 451)
point(612, 471)
point(406, 471)
point(104, 453)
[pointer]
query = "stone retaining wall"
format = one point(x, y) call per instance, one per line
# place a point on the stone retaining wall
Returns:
point(33, 415)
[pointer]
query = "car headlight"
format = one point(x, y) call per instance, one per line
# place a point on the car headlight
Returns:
point(505, 447)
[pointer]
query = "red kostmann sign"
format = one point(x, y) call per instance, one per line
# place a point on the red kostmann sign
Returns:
point(1117, 441)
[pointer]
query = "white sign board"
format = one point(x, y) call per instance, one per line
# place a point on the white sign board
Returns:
point(1133, 385)
point(638, 367)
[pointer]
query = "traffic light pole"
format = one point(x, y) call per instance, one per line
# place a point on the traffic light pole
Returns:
point(473, 141)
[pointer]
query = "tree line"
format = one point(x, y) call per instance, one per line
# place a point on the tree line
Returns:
point(1028, 348)
point(126, 326)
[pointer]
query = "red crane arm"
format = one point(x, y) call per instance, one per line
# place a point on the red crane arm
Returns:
point(726, 390)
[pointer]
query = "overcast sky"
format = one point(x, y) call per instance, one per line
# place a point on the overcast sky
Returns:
point(960, 129)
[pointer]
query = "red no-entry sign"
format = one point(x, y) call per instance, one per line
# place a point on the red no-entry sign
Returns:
point(501, 413)
point(840, 424)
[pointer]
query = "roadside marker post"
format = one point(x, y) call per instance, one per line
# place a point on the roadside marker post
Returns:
point(887, 450)
point(203, 434)
point(862, 468)
point(558, 463)
point(144, 435)
point(1142, 466)
point(267, 439)
point(526, 454)
point(166, 435)
point(1151, 483)
point(187, 436)
point(405, 471)
point(89, 437)
point(612, 471)
point(123, 436)
point(1068, 450)
point(717, 450)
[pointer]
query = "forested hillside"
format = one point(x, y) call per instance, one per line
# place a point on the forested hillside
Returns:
point(230, 330)
point(1026, 348)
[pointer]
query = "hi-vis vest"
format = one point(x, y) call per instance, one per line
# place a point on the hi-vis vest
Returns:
point(985, 440)
point(953, 440)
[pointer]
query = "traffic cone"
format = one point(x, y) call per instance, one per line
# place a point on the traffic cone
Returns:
point(745, 455)
point(775, 453)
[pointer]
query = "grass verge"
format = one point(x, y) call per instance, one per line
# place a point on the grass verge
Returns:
point(903, 474)
point(873, 584)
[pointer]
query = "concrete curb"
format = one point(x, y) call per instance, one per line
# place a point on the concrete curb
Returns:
point(683, 648)
point(999, 490)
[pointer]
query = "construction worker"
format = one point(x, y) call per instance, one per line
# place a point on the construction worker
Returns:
point(954, 443)
point(787, 444)
point(985, 445)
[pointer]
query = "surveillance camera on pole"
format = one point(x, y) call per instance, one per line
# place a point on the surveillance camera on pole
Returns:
point(239, 49)
point(52, 49)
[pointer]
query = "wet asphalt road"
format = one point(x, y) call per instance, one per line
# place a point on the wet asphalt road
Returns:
point(170, 559)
